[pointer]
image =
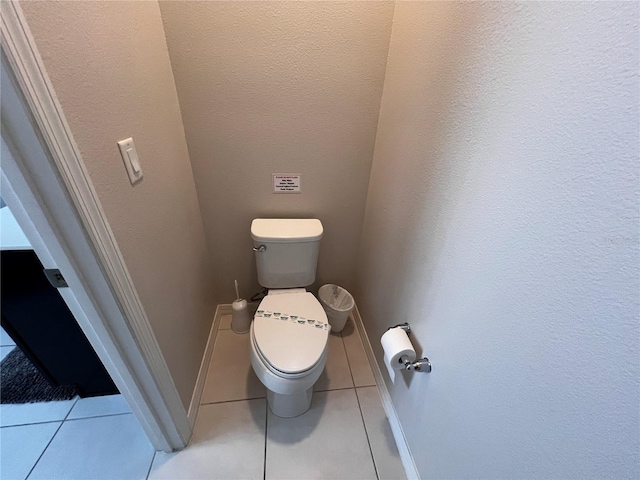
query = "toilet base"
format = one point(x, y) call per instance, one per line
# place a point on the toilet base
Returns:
point(291, 405)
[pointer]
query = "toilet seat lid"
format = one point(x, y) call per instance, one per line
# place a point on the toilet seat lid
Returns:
point(291, 331)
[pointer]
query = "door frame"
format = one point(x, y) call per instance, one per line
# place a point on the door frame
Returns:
point(47, 187)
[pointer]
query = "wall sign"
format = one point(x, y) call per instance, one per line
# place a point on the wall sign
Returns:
point(287, 182)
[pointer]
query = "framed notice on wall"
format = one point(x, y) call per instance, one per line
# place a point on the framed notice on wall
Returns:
point(287, 183)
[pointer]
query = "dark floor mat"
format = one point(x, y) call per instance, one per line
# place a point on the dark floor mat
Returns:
point(21, 382)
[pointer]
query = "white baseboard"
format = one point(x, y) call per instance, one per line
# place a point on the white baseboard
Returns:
point(221, 309)
point(204, 365)
point(396, 428)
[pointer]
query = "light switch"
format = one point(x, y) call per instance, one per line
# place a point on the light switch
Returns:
point(131, 160)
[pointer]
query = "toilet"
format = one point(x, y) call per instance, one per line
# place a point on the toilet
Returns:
point(289, 333)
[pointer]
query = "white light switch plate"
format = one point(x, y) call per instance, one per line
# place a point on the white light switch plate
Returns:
point(131, 160)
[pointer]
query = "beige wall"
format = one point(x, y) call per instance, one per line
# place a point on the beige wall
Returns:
point(279, 87)
point(110, 68)
point(502, 223)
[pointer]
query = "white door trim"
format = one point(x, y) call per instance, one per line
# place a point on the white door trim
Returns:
point(46, 182)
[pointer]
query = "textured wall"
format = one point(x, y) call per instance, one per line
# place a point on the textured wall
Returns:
point(502, 223)
point(109, 65)
point(279, 87)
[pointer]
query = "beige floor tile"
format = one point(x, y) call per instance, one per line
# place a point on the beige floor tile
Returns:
point(327, 442)
point(227, 443)
point(230, 375)
point(225, 322)
point(383, 445)
point(358, 361)
point(336, 372)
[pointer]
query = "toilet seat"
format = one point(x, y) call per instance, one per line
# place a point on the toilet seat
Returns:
point(290, 333)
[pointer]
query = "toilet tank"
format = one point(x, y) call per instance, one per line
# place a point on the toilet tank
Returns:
point(290, 252)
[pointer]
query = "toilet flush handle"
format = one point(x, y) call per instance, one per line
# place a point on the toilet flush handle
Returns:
point(261, 248)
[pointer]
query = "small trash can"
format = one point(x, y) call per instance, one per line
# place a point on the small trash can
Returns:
point(338, 303)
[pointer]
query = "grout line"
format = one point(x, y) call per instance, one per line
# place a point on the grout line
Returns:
point(44, 450)
point(366, 433)
point(98, 416)
point(356, 333)
point(366, 386)
point(153, 458)
point(34, 423)
point(52, 437)
point(266, 426)
point(346, 354)
point(333, 389)
point(236, 400)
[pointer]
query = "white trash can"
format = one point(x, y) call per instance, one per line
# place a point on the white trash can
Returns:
point(338, 303)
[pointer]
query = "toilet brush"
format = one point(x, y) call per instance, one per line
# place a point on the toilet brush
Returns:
point(240, 319)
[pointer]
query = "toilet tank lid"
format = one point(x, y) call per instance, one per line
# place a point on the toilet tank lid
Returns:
point(286, 230)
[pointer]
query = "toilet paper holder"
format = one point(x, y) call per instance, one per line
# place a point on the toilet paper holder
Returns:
point(420, 365)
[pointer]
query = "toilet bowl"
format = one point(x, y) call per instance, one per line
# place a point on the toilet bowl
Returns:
point(289, 338)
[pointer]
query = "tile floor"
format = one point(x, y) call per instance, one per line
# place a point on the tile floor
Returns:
point(6, 344)
point(83, 438)
point(345, 434)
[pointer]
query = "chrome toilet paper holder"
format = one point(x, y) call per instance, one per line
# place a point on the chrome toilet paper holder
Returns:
point(420, 365)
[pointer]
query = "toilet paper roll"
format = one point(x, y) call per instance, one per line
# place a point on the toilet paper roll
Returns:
point(396, 344)
point(391, 371)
